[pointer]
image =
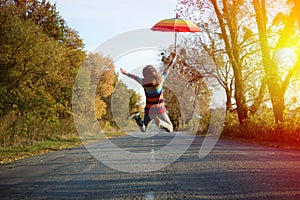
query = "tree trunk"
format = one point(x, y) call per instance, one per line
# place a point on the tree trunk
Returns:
point(240, 96)
point(228, 100)
point(297, 5)
point(260, 97)
point(271, 70)
point(232, 51)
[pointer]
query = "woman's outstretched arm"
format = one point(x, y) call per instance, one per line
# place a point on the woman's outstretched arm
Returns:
point(170, 65)
point(138, 79)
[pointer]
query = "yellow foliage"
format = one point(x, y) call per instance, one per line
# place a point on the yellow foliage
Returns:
point(100, 108)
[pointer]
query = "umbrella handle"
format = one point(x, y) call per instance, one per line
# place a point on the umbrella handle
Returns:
point(175, 42)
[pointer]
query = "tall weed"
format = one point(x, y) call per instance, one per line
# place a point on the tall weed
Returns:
point(20, 131)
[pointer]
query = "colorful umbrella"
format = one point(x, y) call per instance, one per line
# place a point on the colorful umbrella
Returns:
point(175, 25)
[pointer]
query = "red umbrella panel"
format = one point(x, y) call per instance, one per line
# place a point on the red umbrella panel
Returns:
point(175, 25)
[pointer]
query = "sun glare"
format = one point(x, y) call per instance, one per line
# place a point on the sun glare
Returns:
point(285, 57)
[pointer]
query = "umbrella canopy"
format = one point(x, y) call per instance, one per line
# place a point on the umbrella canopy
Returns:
point(175, 25)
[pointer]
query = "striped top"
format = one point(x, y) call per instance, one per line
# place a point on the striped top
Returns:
point(154, 94)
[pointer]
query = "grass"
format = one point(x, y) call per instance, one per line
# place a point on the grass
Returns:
point(21, 138)
point(10, 154)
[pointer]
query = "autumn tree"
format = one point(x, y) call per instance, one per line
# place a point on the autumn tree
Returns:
point(39, 59)
point(185, 90)
point(102, 78)
point(276, 88)
point(222, 42)
point(120, 104)
point(37, 68)
point(29, 60)
point(228, 20)
point(231, 38)
point(42, 13)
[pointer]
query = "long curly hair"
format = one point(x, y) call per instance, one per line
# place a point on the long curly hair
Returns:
point(151, 76)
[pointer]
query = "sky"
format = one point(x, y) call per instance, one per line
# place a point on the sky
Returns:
point(109, 27)
point(121, 29)
point(97, 21)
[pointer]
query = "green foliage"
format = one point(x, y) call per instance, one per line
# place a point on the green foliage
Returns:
point(122, 102)
point(39, 58)
point(26, 56)
point(173, 107)
point(37, 69)
point(41, 13)
point(21, 131)
point(95, 82)
point(82, 94)
point(204, 123)
point(135, 102)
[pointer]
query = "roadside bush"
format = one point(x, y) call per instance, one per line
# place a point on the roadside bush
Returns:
point(263, 127)
point(21, 131)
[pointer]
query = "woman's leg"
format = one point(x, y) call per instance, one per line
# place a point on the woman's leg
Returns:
point(164, 121)
point(141, 123)
point(136, 116)
point(147, 122)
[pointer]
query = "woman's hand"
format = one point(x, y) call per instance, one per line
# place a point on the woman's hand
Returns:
point(123, 71)
point(173, 56)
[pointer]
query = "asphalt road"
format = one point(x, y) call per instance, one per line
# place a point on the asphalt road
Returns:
point(232, 170)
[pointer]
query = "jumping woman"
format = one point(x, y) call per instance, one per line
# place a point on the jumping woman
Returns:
point(155, 109)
